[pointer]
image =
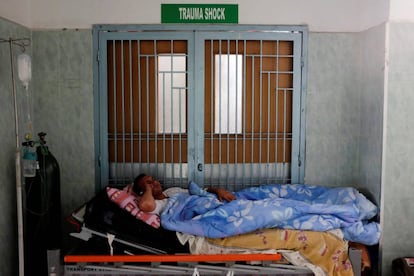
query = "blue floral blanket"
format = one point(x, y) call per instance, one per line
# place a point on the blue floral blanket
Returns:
point(288, 206)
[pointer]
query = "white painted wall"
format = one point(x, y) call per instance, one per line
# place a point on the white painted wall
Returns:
point(319, 15)
point(402, 10)
point(17, 11)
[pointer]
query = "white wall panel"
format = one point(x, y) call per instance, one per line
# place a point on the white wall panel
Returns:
point(319, 15)
point(17, 11)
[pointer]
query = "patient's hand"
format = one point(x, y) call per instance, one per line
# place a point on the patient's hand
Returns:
point(222, 194)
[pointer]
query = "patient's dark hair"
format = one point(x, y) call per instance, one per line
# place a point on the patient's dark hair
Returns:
point(136, 188)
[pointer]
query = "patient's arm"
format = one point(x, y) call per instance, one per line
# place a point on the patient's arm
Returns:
point(222, 194)
point(147, 201)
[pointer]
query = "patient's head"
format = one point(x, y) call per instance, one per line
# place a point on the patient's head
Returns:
point(136, 187)
point(143, 181)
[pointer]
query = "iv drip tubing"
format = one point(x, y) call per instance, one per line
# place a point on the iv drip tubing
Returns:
point(16, 117)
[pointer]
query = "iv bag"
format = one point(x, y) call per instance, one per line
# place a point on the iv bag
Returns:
point(25, 75)
point(24, 66)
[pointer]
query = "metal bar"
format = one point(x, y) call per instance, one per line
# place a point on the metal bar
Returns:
point(123, 109)
point(212, 59)
point(227, 135)
point(180, 138)
point(252, 117)
point(139, 97)
point(244, 110)
point(172, 108)
point(142, 247)
point(260, 102)
point(195, 128)
point(277, 107)
point(228, 115)
point(273, 29)
point(21, 42)
point(202, 269)
point(237, 111)
point(268, 129)
point(19, 199)
point(284, 125)
point(156, 107)
point(220, 115)
point(298, 104)
point(157, 269)
point(115, 144)
point(164, 146)
point(131, 122)
point(147, 91)
point(171, 258)
point(101, 53)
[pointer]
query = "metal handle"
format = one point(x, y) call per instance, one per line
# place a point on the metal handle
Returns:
point(200, 167)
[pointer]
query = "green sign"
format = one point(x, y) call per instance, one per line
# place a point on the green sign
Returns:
point(199, 13)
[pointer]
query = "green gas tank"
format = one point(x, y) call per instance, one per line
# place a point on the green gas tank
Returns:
point(42, 211)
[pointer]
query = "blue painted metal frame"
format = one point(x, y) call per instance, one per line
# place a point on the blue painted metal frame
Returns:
point(196, 34)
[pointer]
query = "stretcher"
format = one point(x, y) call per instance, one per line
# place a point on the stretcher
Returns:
point(155, 261)
point(181, 264)
point(130, 247)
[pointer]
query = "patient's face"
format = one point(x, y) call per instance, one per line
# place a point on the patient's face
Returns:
point(153, 183)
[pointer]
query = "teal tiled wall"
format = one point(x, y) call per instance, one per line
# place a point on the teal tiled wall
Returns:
point(398, 187)
point(63, 105)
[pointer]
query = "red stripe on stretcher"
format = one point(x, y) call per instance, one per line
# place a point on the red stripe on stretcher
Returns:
point(171, 258)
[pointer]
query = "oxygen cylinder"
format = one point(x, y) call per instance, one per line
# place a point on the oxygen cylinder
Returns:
point(42, 211)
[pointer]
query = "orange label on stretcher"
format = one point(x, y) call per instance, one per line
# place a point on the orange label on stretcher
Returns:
point(172, 258)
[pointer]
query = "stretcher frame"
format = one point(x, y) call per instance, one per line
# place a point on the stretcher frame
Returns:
point(180, 264)
point(187, 264)
point(177, 264)
point(87, 233)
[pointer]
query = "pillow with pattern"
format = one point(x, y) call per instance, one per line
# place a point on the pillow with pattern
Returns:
point(129, 202)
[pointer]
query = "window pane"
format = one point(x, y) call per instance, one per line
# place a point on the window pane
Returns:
point(171, 94)
point(228, 93)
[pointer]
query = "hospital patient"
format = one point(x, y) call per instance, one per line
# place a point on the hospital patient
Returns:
point(154, 198)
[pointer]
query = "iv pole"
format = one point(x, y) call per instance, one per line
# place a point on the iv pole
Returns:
point(22, 43)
